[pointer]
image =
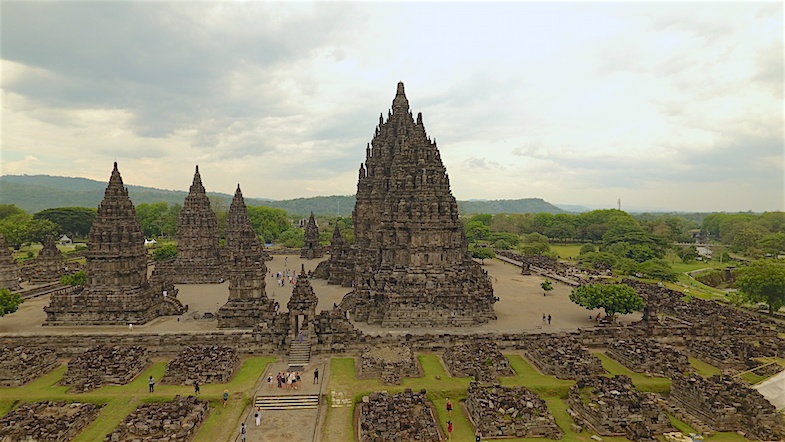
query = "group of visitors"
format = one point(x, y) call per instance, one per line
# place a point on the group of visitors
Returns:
point(546, 319)
point(285, 277)
point(288, 380)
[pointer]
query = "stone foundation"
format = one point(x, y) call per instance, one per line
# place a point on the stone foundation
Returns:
point(649, 356)
point(102, 365)
point(21, 364)
point(245, 313)
point(389, 364)
point(208, 364)
point(563, 357)
point(400, 417)
point(173, 421)
point(47, 421)
point(510, 412)
point(481, 360)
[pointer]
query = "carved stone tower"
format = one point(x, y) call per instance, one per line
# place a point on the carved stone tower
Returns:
point(412, 266)
point(312, 248)
point(117, 291)
point(48, 263)
point(9, 272)
point(248, 304)
point(339, 269)
point(302, 308)
point(198, 258)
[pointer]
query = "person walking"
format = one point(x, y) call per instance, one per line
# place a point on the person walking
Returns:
point(477, 436)
point(549, 319)
point(449, 430)
point(258, 416)
point(242, 432)
point(269, 380)
point(226, 396)
point(196, 388)
point(316, 376)
point(151, 383)
point(449, 407)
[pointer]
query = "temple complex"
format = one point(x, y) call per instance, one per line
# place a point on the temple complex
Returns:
point(312, 249)
point(302, 308)
point(338, 269)
point(411, 261)
point(248, 303)
point(198, 258)
point(117, 291)
point(9, 272)
point(48, 263)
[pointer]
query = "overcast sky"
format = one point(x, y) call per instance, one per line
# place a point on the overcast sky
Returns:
point(663, 105)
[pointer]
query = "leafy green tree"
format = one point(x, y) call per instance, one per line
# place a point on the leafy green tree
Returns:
point(269, 222)
point(547, 286)
point(477, 230)
point(482, 253)
point(484, 218)
point(687, 254)
point(292, 238)
point(535, 244)
point(657, 269)
point(73, 221)
point(78, 278)
point(9, 302)
point(764, 281)
point(10, 210)
point(164, 252)
point(772, 244)
point(597, 260)
point(613, 298)
point(587, 248)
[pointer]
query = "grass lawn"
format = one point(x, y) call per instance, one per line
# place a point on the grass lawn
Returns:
point(566, 251)
point(121, 400)
point(642, 382)
point(704, 368)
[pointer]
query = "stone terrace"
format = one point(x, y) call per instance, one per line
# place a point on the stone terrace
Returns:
point(649, 356)
point(732, 352)
point(169, 421)
point(479, 359)
point(102, 365)
point(728, 405)
point(510, 412)
point(613, 407)
point(400, 417)
point(212, 364)
point(47, 421)
point(388, 363)
point(563, 357)
point(21, 364)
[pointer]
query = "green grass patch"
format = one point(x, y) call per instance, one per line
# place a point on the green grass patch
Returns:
point(642, 382)
point(566, 251)
point(704, 368)
point(681, 425)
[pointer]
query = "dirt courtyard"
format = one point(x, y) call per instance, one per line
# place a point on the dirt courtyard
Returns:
point(520, 307)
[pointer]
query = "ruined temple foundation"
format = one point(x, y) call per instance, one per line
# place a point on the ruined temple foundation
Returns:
point(9, 271)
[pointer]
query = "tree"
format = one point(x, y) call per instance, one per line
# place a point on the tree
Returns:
point(764, 281)
point(73, 221)
point(614, 298)
point(482, 253)
point(9, 302)
point(164, 252)
point(78, 278)
point(547, 286)
point(270, 223)
point(657, 269)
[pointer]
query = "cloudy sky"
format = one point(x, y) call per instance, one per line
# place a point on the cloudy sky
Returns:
point(663, 105)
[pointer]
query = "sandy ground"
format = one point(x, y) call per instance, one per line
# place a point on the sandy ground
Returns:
point(519, 309)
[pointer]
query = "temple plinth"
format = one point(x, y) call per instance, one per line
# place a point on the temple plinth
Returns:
point(9, 271)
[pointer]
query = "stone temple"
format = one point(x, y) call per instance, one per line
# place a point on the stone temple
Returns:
point(198, 258)
point(411, 261)
point(9, 272)
point(117, 291)
point(312, 249)
point(48, 263)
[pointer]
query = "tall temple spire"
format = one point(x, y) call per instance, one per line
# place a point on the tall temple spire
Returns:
point(9, 272)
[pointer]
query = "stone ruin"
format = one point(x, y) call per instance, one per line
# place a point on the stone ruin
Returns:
point(117, 291)
point(248, 304)
point(411, 265)
point(613, 407)
point(510, 412)
point(47, 421)
point(399, 417)
point(390, 364)
point(211, 364)
point(333, 330)
point(563, 357)
point(302, 304)
point(337, 269)
point(551, 267)
point(733, 352)
point(19, 365)
point(312, 249)
point(725, 404)
point(178, 420)
point(649, 356)
point(103, 365)
point(198, 259)
point(480, 359)
point(48, 265)
point(9, 271)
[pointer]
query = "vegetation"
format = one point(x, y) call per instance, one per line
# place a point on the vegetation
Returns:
point(482, 253)
point(755, 235)
point(158, 219)
point(73, 221)
point(547, 286)
point(613, 298)
point(9, 302)
point(78, 278)
point(764, 281)
point(164, 252)
point(20, 228)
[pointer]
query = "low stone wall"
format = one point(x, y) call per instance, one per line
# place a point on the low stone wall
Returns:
point(510, 412)
point(21, 364)
point(406, 416)
point(101, 365)
point(47, 421)
point(613, 407)
point(480, 359)
point(734, 353)
point(389, 364)
point(563, 357)
point(212, 364)
point(169, 421)
point(649, 356)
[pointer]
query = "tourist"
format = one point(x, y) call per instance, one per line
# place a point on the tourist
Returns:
point(316, 376)
point(300, 337)
point(226, 396)
point(449, 430)
point(279, 379)
point(544, 318)
point(151, 383)
point(269, 381)
point(449, 407)
point(196, 388)
point(242, 432)
point(258, 416)
point(477, 436)
point(549, 319)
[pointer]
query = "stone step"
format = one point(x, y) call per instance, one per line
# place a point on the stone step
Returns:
point(291, 402)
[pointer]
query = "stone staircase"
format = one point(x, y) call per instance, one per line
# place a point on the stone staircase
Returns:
point(292, 402)
point(299, 355)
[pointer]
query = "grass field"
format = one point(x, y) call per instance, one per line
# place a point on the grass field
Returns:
point(566, 251)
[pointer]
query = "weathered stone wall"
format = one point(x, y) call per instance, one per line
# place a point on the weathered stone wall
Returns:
point(103, 365)
point(649, 356)
point(47, 421)
point(563, 357)
point(400, 417)
point(212, 364)
point(390, 364)
point(510, 412)
point(480, 359)
point(21, 364)
point(173, 421)
point(734, 353)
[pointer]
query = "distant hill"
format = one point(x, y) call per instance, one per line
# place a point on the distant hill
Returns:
point(33, 193)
